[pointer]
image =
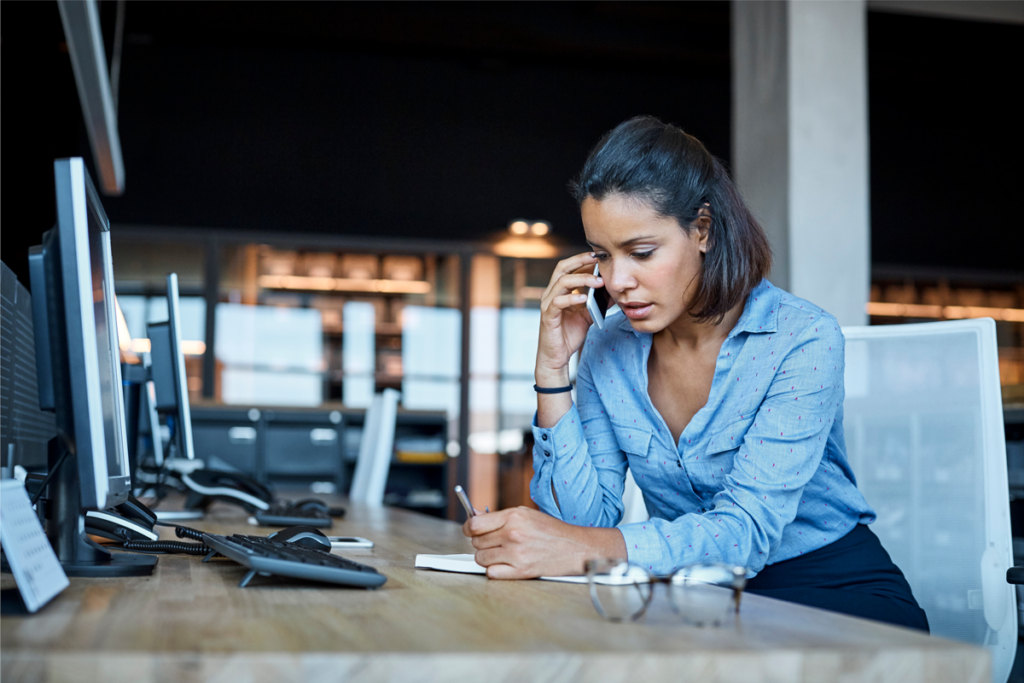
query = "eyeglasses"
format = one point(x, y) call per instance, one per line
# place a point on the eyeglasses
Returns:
point(702, 594)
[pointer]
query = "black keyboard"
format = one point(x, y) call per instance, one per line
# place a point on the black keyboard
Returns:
point(267, 556)
point(285, 514)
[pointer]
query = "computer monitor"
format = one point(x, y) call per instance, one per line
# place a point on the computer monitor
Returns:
point(78, 367)
point(25, 430)
point(171, 393)
point(169, 374)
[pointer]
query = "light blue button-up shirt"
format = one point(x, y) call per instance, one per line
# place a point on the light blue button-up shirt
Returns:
point(758, 476)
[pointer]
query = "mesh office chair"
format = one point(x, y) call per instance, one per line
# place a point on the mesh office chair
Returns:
point(925, 436)
point(633, 502)
point(375, 449)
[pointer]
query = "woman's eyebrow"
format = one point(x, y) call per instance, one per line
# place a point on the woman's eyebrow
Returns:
point(625, 243)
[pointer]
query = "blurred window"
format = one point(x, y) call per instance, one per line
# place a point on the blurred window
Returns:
point(270, 355)
point(431, 352)
point(358, 352)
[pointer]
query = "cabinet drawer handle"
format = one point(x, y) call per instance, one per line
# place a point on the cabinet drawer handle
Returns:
point(323, 437)
point(242, 435)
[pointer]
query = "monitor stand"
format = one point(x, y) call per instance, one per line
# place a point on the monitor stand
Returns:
point(78, 555)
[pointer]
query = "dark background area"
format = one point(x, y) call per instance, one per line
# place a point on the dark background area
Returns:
point(444, 121)
point(946, 145)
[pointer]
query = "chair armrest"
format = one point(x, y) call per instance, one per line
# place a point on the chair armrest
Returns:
point(1015, 575)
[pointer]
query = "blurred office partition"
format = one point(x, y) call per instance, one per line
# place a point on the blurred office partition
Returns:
point(924, 431)
point(271, 355)
point(431, 353)
point(375, 450)
point(358, 354)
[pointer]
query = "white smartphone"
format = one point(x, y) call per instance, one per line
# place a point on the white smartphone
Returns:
point(597, 303)
point(350, 542)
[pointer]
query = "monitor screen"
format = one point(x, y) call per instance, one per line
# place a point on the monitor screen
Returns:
point(108, 350)
point(169, 376)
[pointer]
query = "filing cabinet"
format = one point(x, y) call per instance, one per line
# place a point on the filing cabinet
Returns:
point(228, 436)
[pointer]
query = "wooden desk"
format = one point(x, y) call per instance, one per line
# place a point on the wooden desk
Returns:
point(190, 622)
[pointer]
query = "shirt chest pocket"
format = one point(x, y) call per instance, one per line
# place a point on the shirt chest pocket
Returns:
point(643, 454)
point(634, 441)
point(709, 471)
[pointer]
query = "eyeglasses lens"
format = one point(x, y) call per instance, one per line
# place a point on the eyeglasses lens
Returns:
point(620, 591)
point(705, 595)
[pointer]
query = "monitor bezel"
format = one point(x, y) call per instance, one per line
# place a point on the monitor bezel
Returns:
point(77, 199)
point(180, 376)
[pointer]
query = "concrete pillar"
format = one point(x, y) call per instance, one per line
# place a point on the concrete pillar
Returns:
point(800, 144)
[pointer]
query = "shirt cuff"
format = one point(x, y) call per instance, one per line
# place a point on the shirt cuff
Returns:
point(644, 546)
point(565, 437)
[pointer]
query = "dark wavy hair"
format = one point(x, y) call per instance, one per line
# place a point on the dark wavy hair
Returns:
point(674, 174)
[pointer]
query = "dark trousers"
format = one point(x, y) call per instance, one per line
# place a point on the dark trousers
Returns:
point(853, 575)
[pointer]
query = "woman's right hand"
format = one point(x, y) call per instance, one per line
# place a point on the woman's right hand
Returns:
point(564, 319)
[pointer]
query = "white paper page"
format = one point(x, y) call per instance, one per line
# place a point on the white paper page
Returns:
point(33, 563)
point(466, 564)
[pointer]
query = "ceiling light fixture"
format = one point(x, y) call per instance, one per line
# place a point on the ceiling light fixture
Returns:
point(518, 227)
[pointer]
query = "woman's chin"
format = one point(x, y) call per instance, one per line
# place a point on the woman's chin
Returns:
point(648, 325)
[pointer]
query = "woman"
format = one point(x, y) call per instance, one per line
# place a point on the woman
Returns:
point(722, 394)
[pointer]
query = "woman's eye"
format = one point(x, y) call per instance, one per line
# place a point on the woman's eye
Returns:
point(602, 257)
point(642, 255)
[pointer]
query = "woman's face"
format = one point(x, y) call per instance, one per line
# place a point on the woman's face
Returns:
point(651, 267)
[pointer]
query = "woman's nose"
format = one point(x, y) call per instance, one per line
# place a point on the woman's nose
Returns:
point(618, 278)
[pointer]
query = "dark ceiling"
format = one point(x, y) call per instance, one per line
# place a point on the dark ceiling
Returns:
point(444, 121)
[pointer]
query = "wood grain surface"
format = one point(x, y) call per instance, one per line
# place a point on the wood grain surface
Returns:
point(190, 622)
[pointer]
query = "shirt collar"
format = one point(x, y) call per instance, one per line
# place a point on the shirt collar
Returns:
point(622, 322)
point(760, 314)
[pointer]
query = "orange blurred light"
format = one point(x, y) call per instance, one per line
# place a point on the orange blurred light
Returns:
point(341, 284)
point(939, 312)
point(188, 347)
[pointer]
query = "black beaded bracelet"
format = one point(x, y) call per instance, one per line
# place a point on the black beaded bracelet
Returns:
point(549, 390)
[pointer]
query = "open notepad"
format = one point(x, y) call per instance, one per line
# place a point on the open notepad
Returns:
point(465, 564)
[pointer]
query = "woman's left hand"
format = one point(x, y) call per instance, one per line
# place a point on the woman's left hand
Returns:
point(522, 543)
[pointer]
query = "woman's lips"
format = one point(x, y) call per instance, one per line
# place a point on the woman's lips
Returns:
point(635, 311)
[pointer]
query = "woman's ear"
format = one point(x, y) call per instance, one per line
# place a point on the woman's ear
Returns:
point(703, 227)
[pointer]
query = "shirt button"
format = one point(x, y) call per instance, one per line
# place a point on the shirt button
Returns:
point(547, 453)
point(544, 437)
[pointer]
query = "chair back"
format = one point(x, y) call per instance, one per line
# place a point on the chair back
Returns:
point(633, 502)
point(375, 450)
point(925, 437)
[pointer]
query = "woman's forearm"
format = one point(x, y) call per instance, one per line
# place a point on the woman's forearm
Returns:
point(591, 543)
point(609, 542)
point(551, 407)
point(523, 543)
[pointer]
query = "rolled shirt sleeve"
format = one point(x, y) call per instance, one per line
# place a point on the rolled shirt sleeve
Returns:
point(581, 460)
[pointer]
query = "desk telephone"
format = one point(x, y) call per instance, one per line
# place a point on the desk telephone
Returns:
point(207, 485)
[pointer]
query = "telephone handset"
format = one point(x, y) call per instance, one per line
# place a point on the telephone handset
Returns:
point(598, 303)
point(129, 521)
point(206, 485)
